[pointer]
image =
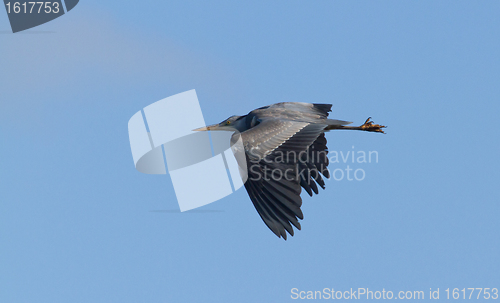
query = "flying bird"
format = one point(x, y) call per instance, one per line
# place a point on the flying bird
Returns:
point(285, 150)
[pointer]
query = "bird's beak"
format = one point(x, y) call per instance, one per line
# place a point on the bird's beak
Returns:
point(210, 127)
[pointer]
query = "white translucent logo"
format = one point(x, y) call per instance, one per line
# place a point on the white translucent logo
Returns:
point(201, 172)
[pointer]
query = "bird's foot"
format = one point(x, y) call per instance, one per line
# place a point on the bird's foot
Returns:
point(369, 126)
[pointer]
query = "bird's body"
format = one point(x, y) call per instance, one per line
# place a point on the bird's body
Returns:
point(285, 149)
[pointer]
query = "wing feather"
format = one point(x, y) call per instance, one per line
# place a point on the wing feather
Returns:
point(277, 200)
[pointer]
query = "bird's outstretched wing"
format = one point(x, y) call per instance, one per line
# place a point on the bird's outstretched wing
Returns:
point(283, 156)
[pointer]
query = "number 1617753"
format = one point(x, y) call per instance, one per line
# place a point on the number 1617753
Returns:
point(472, 293)
point(32, 7)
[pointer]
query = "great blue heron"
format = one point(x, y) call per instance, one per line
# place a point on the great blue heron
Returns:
point(287, 139)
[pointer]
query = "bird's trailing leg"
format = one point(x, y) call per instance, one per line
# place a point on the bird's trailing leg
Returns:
point(368, 126)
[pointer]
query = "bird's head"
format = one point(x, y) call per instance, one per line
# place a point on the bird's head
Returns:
point(232, 123)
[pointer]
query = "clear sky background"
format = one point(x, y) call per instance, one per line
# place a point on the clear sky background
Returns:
point(78, 223)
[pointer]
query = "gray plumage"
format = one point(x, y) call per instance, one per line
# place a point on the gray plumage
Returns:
point(273, 138)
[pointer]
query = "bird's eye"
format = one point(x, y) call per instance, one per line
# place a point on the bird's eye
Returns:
point(228, 122)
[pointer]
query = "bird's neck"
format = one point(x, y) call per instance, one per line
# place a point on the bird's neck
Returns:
point(241, 124)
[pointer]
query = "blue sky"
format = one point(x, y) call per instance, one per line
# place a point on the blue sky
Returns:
point(78, 223)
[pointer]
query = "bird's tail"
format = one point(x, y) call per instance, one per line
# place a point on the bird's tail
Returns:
point(333, 122)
